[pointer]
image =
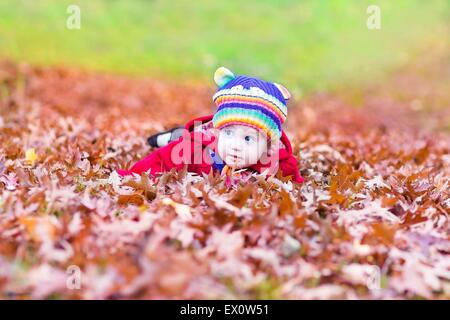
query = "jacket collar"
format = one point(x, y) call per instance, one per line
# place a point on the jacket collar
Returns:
point(211, 142)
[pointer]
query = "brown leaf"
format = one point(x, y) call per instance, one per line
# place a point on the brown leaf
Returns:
point(135, 199)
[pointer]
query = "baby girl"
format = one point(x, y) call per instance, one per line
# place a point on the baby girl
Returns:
point(244, 133)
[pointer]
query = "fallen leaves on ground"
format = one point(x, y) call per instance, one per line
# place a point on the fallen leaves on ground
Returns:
point(371, 220)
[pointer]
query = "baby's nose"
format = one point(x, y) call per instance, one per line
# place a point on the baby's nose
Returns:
point(236, 147)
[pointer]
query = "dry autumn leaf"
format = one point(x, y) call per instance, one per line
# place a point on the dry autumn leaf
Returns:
point(376, 194)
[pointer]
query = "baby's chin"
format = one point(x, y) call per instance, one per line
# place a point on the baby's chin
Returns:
point(237, 166)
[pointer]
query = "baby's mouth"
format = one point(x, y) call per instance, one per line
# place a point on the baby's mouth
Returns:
point(234, 157)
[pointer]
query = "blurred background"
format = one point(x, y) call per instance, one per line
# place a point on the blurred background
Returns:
point(307, 45)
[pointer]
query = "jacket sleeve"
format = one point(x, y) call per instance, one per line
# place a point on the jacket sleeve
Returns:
point(288, 166)
point(186, 150)
point(161, 160)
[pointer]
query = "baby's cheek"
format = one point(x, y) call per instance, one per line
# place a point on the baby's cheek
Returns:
point(221, 148)
point(254, 153)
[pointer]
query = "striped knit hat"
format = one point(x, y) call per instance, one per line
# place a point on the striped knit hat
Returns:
point(249, 101)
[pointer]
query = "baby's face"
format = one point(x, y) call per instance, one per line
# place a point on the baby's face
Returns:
point(241, 146)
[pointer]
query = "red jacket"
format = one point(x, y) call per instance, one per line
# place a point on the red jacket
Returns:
point(162, 160)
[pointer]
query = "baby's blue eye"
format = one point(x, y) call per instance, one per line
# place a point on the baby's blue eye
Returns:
point(248, 138)
point(228, 132)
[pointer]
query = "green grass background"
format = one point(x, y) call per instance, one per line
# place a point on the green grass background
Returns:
point(306, 45)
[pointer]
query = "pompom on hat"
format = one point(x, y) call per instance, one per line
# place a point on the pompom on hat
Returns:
point(249, 101)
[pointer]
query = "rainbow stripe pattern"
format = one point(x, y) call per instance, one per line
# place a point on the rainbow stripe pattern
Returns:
point(251, 102)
